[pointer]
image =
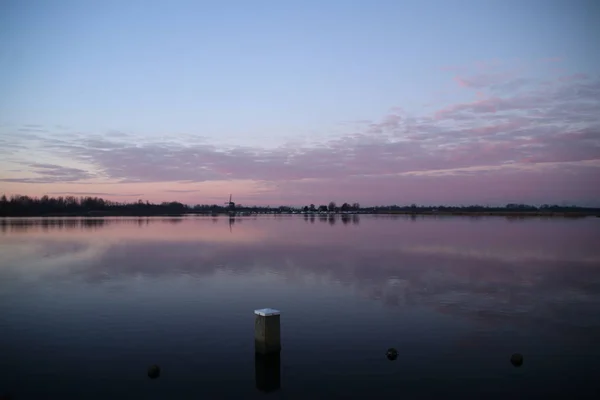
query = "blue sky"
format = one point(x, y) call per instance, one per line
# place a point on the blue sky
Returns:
point(265, 73)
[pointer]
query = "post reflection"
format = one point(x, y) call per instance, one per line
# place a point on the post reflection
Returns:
point(267, 371)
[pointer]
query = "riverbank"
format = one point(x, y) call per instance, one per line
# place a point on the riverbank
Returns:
point(515, 214)
point(568, 214)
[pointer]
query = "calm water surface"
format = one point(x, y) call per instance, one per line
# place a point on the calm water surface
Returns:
point(86, 305)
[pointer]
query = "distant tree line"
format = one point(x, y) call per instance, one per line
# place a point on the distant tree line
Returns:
point(511, 207)
point(17, 205)
point(70, 205)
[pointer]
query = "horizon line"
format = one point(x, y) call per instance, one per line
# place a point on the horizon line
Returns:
point(317, 205)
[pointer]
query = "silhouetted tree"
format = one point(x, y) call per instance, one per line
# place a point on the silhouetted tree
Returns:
point(331, 206)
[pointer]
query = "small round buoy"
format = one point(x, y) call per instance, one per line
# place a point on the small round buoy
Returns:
point(154, 371)
point(516, 359)
point(391, 354)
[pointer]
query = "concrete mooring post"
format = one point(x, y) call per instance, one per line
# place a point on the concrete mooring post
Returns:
point(267, 346)
point(267, 333)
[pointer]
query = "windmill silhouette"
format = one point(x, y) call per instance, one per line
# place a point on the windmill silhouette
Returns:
point(230, 205)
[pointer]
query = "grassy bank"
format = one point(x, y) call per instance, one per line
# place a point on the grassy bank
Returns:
point(568, 214)
point(512, 214)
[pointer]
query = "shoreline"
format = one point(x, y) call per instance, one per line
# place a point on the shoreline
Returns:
point(566, 214)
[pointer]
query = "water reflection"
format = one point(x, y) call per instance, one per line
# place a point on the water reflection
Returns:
point(46, 224)
point(21, 225)
point(481, 278)
point(421, 284)
point(267, 370)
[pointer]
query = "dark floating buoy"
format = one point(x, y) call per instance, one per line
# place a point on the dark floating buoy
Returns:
point(516, 359)
point(153, 371)
point(391, 354)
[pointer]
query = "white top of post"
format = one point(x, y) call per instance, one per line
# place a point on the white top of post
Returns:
point(266, 312)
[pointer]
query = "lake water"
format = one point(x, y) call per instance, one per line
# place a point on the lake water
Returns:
point(86, 305)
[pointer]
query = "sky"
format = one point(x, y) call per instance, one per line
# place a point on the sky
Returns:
point(297, 102)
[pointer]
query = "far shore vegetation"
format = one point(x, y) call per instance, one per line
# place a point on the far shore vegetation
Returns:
point(25, 206)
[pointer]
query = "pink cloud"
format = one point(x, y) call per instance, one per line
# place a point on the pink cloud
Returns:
point(481, 81)
point(462, 82)
point(498, 187)
point(462, 151)
point(574, 77)
point(482, 105)
point(507, 126)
